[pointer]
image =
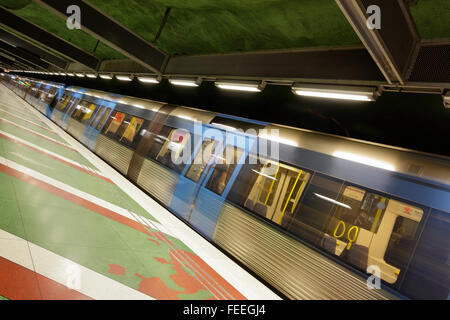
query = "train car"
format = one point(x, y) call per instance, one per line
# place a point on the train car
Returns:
point(323, 219)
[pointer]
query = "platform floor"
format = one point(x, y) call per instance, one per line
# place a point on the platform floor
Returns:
point(71, 227)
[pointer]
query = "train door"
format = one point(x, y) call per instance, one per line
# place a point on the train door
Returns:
point(276, 191)
point(61, 107)
point(193, 175)
point(65, 116)
point(212, 192)
point(94, 127)
point(200, 193)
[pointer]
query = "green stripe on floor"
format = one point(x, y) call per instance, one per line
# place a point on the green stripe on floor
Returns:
point(3, 298)
point(24, 114)
point(70, 176)
point(48, 145)
point(30, 126)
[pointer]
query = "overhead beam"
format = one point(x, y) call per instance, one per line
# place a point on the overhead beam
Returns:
point(44, 55)
point(20, 53)
point(111, 32)
point(330, 65)
point(47, 39)
point(395, 45)
point(18, 59)
point(13, 61)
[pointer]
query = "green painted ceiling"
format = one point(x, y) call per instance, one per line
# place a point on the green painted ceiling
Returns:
point(221, 26)
point(432, 18)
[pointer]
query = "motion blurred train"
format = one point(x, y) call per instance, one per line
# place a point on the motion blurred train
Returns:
point(326, 220)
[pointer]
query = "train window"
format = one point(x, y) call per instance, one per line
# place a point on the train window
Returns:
point(128, 129)
point(62, 103)
point(201, 159)
point(223, 168)
point(83, 111)
point(401, 242)
point(171, 152)
point(72, 104)
point(103, 119)
point(428, 274)
point(158, 141)
point(359, 226)
point(50, 94)
point(311, 217)
point(269, 188)
point(359, 208)
point(98, 115)
point(113, 123)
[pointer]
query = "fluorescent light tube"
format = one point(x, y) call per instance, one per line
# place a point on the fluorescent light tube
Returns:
point(332, 95)
point(124, 78)
point(148, 80)
point(91, 75)
point(80, 75)
point(335, 92)
point(186, 83)
point(249, 87)
point(106, 76)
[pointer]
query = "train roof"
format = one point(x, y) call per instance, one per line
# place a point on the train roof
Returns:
point(426, 165)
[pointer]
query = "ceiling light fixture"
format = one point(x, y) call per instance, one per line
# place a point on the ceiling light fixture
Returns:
point(148, 79)
point(336, 92)
point(91, 75)
point(239, 86)
point(106, 76)
point(124, 78)
point(185, 83)
point(80, 75)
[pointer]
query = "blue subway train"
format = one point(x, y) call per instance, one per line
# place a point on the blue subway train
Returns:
point(315, 216)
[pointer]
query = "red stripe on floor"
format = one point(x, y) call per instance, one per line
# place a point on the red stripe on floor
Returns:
point(104, 212)
point(20, 283)
point(56, 158)
point(38, 134)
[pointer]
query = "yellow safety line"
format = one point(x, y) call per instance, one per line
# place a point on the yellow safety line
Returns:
point(289, 197)
point(377, 217)
point(271, 185)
